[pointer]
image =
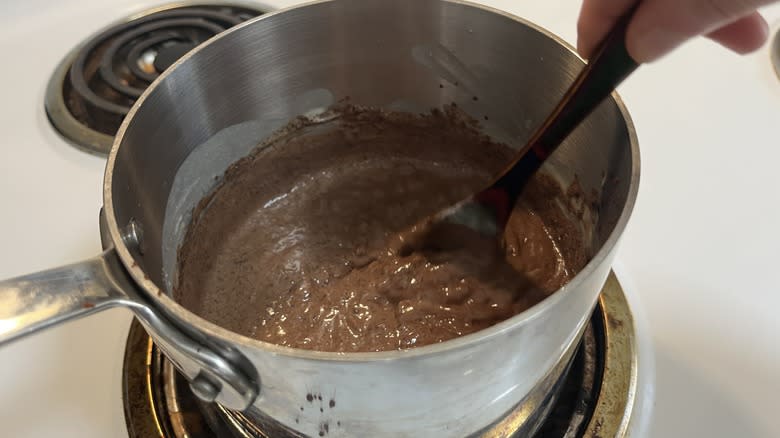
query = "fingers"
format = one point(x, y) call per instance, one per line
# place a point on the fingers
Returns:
point(744, 35)
point(596, 18)
point(660, 26)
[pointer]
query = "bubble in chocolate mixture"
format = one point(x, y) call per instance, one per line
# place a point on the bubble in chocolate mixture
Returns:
point(289, 249)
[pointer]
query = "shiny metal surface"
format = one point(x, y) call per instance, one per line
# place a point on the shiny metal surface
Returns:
point(597, 398)
point(617, 394)
point(38, 301)
point(382, 53)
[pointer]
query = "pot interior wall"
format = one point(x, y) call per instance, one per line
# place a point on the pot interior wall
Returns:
point(220, 103)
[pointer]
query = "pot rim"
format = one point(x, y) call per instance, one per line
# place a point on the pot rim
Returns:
point(215, 331)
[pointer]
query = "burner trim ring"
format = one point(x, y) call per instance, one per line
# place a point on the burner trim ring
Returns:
point(71, 129)
point(63, 121)
point(620, 376)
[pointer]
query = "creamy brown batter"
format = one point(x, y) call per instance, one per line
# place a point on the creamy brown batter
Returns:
point(290, 249)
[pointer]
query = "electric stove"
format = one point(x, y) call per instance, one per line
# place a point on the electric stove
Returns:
point(683, 343)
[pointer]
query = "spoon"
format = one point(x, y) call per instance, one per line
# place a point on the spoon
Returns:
point(487, 212)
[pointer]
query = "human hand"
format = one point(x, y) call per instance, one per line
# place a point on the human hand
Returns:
point(659, 26)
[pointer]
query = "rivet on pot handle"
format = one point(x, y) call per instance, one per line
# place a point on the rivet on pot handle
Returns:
point(35, 302)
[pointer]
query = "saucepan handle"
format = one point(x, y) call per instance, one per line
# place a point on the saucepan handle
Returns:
point(32, 303)
point(35, 302)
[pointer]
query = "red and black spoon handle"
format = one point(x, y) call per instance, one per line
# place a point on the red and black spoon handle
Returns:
point(607, 68)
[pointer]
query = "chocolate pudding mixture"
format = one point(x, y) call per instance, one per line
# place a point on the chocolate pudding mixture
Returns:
point(290, 248)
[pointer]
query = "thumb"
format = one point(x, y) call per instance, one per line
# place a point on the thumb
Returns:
point(659, 26)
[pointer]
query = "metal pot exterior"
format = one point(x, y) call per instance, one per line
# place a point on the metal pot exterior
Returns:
point(225, 97)
point(392, 54)
point(450, 393)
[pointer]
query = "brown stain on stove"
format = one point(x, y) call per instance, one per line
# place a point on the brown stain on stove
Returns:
point(88, 305)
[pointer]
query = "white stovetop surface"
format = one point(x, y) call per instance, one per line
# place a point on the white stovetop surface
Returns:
point(699, 259)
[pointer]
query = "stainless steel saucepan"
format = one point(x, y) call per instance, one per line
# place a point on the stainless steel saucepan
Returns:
point(222, 99)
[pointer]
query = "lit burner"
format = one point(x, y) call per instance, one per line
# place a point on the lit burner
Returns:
point(96, 84)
